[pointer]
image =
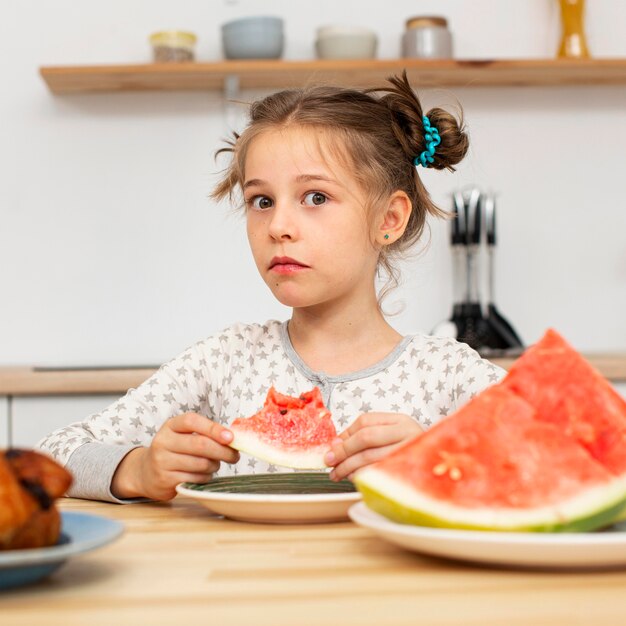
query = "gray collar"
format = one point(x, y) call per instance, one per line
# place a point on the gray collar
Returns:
point(323, 377)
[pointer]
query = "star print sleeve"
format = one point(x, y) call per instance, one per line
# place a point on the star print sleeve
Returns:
point(472, 374)
point(93, 448)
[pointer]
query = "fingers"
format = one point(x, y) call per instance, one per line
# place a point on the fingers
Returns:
point(363, 439)
point(201, 446)
point(188, 477)
point(173, 462)
point(167, 469)
point(368, 439)
point(368, 419)
point(359, 460)
point(372, 437)
point(199, 436)
point(187, 448)
point(196, 423)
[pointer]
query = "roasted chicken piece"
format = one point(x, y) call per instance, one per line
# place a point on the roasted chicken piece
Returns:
point(29, 484)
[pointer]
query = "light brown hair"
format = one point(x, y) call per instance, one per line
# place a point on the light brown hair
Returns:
point(377, 132)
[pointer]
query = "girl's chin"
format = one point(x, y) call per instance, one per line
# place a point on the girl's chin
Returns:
point(296, 300)
point(297, 303)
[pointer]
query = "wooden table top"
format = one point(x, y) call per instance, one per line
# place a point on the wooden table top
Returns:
point(176, 564)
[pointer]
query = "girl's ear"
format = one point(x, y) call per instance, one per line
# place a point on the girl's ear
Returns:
point(394, 219)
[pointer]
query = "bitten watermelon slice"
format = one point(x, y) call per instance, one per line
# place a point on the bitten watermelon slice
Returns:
point(287, 431)
point(494, 466)
point(568, 392)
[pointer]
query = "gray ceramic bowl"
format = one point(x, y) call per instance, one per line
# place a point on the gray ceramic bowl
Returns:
point(253, 38)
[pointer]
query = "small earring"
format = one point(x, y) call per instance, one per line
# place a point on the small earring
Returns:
point(386, 235)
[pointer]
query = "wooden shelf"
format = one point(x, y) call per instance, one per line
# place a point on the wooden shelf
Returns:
point(611, 366)
point(362, 73)
point(28, 381)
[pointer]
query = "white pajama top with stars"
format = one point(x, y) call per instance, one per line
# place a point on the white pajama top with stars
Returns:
point(227, 376)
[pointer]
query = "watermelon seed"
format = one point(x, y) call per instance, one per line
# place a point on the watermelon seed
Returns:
point(455, 473)
point(440, 470)
point(283, 411)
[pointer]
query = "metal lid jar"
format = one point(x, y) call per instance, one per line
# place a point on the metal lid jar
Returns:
point(427, 37)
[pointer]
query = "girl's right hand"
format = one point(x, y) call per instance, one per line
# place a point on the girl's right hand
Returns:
point(187, 448)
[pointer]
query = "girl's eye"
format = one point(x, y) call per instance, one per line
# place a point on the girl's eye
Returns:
point(261, 202)
point(315, 197)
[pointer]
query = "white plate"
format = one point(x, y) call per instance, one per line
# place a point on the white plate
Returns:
point(285, 498)
point(597, 550)
point(80, 533)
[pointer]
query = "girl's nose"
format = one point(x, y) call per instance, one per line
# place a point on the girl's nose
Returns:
point(282, 224)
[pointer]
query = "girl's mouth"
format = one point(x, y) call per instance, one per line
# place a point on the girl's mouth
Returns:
point(286, 265)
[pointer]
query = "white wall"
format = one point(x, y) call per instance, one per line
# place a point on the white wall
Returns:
point(4, 422)
point(34, 418)
point(111, 253)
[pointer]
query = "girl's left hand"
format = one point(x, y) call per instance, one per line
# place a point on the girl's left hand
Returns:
point(368, 439)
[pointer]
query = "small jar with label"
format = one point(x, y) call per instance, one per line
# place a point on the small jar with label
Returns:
point(173, 46)
point(427, 37)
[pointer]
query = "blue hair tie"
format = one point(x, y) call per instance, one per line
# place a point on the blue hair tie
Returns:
point(432, 138)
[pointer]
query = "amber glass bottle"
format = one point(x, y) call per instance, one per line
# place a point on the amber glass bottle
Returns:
point(573, 42)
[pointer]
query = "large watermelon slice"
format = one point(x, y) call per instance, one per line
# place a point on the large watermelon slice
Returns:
point(568, 392)
point(287, 431)
point(545, 450)
point(493, 466)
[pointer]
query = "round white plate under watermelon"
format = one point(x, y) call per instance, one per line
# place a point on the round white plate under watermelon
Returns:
point(283, 498)
point(595, 550)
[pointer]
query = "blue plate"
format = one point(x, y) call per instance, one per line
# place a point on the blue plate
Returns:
point(80, 533)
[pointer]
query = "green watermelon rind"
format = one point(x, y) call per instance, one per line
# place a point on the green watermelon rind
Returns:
point(608, 513)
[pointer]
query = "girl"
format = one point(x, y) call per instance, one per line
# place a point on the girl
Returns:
point(331, 189)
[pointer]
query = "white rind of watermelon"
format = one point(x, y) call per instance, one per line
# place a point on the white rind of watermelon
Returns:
point(593, 507)
point(250, 443)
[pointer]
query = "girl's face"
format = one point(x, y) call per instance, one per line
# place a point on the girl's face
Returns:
point(306, 221)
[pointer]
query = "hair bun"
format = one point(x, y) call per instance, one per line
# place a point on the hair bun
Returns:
point(408, 126)
point(454, 140)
